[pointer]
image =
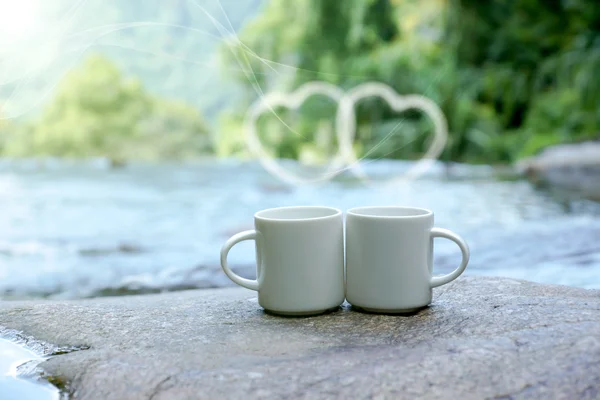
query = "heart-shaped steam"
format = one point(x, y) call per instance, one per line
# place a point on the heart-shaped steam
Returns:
point(346, 123)
point(292, 101)
point(345, 127)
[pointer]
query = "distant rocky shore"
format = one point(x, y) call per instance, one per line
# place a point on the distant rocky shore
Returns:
point(573, 167)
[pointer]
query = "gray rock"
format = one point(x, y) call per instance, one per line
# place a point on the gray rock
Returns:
point(573, 167)
point(481, 338)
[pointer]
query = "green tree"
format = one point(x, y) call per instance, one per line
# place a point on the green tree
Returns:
point(511, 76)
point(6, 128)
point(535, 63)
point(394, 42)
point(99, 112)
point(170, 45)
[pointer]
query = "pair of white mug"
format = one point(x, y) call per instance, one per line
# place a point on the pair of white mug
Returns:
point(300, 259)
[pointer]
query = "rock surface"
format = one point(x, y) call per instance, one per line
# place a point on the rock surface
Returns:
point(574, 167)
point(481, 338)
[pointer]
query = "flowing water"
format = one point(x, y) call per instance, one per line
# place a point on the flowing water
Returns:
point(85, 229)
point(12, 356)
point(72, 230)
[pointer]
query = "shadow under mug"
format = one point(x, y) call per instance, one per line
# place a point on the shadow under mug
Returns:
point(389, 258)
point(299, 259)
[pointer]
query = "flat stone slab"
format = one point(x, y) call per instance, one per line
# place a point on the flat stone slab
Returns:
point(481, 338)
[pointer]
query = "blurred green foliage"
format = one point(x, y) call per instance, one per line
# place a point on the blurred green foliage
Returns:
point(511, 76)
point(5, 130)
point(170, 45)
point(97, 112)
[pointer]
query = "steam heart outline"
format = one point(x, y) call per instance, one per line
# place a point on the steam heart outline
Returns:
point(345, 125)
point(292, 101)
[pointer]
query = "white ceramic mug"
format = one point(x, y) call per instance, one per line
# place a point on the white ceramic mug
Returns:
point(389, 254)
point(300, 259)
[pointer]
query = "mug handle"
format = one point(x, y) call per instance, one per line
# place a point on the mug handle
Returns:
point(235, 239)
point(464, 248)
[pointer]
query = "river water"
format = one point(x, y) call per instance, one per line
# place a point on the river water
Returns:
point(12, 387)
point(71, 230)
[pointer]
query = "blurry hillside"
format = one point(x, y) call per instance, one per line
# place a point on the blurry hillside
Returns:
point(170, 45)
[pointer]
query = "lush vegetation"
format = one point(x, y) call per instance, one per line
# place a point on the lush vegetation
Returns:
point(97, 112)
point(170, 45)
point(511, 76)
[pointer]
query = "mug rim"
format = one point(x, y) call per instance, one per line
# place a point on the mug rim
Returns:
point(335, 212)
point(361, 212)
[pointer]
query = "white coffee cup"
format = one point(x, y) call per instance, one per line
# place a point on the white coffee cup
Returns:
point(389, 254)
point(300, 259)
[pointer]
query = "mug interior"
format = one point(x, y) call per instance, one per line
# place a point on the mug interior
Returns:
point(297, 213)
point(390, 212)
